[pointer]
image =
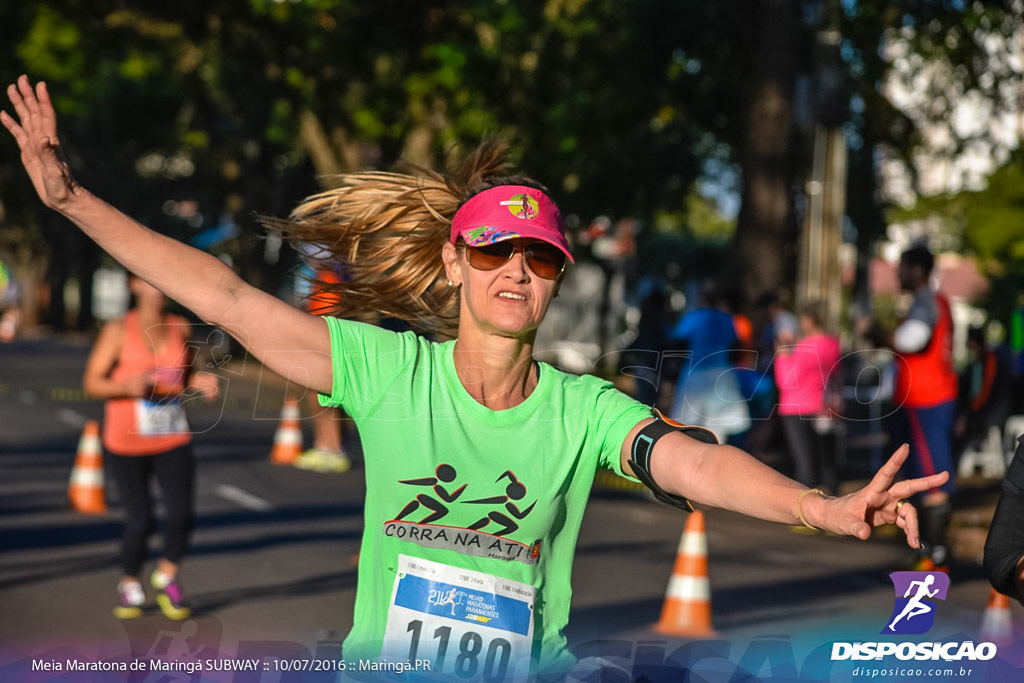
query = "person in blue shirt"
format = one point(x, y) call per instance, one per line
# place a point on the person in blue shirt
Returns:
point(708, 390)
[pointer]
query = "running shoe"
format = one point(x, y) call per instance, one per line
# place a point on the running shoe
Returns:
point(323, 460)
point(131, 598)
point(169, 596)
point(335, 461)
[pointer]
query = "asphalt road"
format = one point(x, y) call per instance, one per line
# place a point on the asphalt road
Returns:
point(272, 569)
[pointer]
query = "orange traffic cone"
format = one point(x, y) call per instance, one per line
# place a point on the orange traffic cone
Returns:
point(687, 607)
point(997, 623)
point(86, 488)
point(288, 438)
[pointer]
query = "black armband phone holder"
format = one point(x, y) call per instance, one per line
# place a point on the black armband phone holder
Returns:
point(643, 447)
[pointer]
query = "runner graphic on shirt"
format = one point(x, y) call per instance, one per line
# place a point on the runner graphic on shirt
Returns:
point(444, 473)
point(515, 490)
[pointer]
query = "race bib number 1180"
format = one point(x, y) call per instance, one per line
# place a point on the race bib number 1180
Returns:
point(466, 623)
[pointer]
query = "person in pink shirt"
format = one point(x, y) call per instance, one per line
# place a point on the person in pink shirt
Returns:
point(804, 371)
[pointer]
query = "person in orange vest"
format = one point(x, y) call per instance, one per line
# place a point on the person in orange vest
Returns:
point(926, 396)
point(141, 365)
point(327, 453)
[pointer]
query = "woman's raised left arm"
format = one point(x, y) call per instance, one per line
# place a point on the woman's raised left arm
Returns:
point(726, 477)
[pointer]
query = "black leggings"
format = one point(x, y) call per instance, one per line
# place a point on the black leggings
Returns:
point(174, 472)
point(813, 455)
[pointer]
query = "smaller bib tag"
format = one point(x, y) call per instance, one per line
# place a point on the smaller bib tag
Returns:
point(463, 622)
point(159, 419)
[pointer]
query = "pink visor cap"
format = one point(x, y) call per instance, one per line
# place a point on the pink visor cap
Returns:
point(508, 212)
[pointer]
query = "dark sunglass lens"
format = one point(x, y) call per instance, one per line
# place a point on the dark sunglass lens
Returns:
point(545, 260)
point(490, 256)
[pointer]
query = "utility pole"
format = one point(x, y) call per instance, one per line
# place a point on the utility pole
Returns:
point(819, 276)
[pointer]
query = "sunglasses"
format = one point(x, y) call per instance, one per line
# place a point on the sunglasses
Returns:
point(545, 260)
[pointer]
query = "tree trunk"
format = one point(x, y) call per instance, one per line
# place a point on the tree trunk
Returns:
point(766, 233)
point(332, 154)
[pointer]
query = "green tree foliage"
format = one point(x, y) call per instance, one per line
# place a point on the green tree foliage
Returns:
point(990, 226)
point(620, 107)
point(948, 53)
point(242, 105)
point(941, 52)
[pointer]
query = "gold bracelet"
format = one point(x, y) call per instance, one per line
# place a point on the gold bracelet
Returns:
point(800, 506)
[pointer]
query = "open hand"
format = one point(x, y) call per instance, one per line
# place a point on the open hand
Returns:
point(879, 503)
point(36, 135)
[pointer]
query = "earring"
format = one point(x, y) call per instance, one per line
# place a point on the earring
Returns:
point(451, 284)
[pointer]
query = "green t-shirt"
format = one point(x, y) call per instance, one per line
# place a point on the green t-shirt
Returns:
point(471, 514)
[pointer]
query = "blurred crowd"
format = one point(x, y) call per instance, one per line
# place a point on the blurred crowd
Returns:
point(781, 384)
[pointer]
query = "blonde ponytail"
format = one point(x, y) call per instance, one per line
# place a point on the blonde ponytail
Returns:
point(384, 232)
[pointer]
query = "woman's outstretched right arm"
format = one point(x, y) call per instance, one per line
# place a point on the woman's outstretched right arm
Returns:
point(291, 342)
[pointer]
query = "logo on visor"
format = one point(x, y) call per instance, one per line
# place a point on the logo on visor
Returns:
point(522, 206)
point(914, 608)
point(487, 234)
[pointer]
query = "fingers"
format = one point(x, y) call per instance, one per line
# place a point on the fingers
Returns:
point(28, 96)
point(909, 487)
point(14, 94)
point(48, 117)
point(33, 107)
point(885, 476)
point(11, 125)
point(21, 131)
point(19, 104)
point(906, 519)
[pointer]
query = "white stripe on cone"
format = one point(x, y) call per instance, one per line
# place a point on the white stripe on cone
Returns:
point(90, 444)
point(289, 437)
point(91, 477)
point(688, 587)
point(693, 544)
point(997, 622)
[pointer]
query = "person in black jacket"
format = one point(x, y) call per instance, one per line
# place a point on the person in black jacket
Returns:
point(1004, 547)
